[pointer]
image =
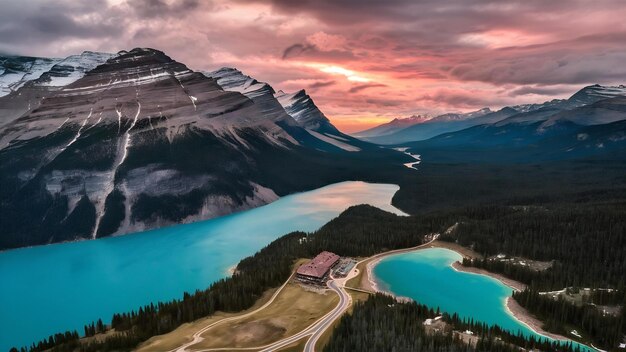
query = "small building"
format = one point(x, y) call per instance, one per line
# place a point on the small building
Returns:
point(317, 270)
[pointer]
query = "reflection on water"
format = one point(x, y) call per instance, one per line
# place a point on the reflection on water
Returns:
point(53, 288)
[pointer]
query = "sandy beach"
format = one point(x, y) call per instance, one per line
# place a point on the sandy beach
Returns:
point(521, 314)
point(516, 285)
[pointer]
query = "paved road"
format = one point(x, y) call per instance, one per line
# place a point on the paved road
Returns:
point(314, 331)
point(196, 336)
point(338, 286)
point(345, 300)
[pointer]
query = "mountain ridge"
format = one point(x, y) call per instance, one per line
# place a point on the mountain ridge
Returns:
point(142, 141)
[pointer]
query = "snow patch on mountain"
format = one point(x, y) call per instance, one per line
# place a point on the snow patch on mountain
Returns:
point(72, 68)
point(337, 143)
point(15, 71)
point(233, 80)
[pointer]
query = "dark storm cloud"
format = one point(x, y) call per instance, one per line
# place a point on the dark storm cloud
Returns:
point(431, 54)
point(320, 84)
point(361, 87)
point(297, 49)
point(32, 23)
point(478, 40)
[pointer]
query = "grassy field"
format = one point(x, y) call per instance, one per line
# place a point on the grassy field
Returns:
point(184, 332)
point(294, 309)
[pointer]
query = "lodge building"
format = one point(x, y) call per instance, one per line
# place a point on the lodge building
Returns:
point(316, 271)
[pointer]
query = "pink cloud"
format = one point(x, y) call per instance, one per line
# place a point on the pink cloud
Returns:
point(410, 56)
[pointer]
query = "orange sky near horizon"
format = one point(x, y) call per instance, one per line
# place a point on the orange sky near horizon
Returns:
point(363, 63)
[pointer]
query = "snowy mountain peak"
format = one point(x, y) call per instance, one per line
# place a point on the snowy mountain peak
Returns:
point(72, 68)
point(15, 71)
point(413, 119)
point(298, 105)
point(593, 93)
point(301, 107)
point(231, 79)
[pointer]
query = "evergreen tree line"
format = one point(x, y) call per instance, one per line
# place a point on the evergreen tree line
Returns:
point(364, 231)
point(359, 231)
point(585, 241)
point(94, 328)
point(560, 316)
point(383, 324)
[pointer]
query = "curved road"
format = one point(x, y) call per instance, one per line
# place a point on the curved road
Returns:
point(315, 330)
point(345, 300)
point(196, 336)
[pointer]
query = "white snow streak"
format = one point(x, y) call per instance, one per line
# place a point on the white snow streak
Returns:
point(67, 119)
point(119, 119)
point(82, 125)
point(336, 143)
point(119, 160)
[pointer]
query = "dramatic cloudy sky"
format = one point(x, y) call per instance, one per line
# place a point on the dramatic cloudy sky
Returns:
point(362, 61)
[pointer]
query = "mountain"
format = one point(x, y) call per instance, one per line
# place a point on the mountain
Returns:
point(462, 116)
point(528, 113)
point(597, 113)
point(442, 124)
point(596, 130)
point(15, 71)
point(586, 96)
point(38, 77)
point(141, 141)
point(594, 93)
point(391, 126)
point(299, 106)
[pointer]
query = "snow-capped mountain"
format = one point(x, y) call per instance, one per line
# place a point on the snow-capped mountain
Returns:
point(72, 68)
point(15, 71)
point(234, 80)
point(549, 110)
point(442, 124)
point(299, 106)
point(548, 113)
point(594, 127)
point(594, 93)
point(462, 116)
point(392, 126)
point(142, 141)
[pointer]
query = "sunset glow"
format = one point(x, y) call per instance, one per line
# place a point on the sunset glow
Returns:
point(361, 64)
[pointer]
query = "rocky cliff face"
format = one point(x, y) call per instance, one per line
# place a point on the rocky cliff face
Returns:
point(142, 141)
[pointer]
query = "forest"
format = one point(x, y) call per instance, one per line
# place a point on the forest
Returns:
point(377, 231)
point(566, 232)
point(383, 324)
point(558, 315)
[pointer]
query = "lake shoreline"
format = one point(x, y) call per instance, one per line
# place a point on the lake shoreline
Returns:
point(188, 257)
point(368, 282)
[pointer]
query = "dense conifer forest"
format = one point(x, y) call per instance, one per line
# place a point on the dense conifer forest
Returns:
point(561, 317)
point(574, 234)
point(585, 241)
point(383, 324)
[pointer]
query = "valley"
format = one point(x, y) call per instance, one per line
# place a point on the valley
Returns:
point(170, 207)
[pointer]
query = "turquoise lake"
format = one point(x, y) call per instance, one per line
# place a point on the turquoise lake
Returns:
point(48, 289)
point(427, 277)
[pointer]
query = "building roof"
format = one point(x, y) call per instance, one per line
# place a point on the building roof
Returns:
point(319, 265)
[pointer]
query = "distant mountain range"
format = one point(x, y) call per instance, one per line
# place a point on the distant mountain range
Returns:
point(593, 131)
point(551, 110)
point(103, 144)
point(392, 126)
